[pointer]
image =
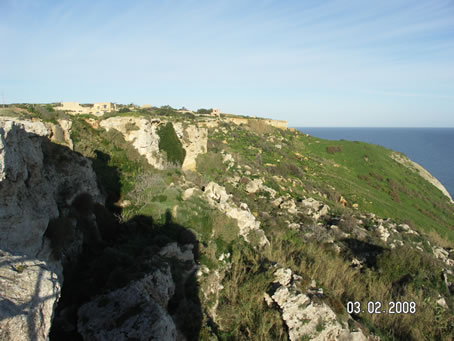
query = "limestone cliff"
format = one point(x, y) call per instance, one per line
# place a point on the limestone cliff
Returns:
point(38, 183)
point(142, 133)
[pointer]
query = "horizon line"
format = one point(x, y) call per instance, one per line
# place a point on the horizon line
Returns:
point(366, 127)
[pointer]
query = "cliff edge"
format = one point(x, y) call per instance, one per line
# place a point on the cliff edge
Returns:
point(417, 168)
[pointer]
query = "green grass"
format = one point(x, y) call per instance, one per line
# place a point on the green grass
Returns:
point(366, 174)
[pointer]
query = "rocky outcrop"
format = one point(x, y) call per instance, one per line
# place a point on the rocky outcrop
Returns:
point(312, 207)
point(28, 291)
point(142, 310)
point(218, 198)
point(134, 312)
point(194, 140)
point(61, 133)
point(228, 160)
point(257, 185)
point(143, 135)
point(316, 208)
point(37, 180)
point(303, 315)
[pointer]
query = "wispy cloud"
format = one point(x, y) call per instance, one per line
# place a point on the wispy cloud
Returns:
point(351, 54)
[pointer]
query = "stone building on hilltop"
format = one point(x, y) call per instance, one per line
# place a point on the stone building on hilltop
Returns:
point(215, 112)
point(97, 109)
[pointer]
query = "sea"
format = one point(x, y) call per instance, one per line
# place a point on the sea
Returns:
point(432, 148)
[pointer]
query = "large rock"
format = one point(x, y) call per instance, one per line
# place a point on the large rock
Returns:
point(257, 185)
point(136, 312)
point(316, 208)
point(304, 316)
point(218, 198)
point(28, 291)
point(139, 311)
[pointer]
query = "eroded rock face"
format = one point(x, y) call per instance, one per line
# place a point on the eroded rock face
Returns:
point(28, 291)
point(37, 179)
point(134, 312)
point(302, 315)
point(194, 140)
point(218, 198)
point(143, 135)
point(61, 133)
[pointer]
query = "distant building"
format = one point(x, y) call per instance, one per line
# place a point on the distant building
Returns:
point(185, 111)
point(216, 112)
point(101, 108)
point(73, 107)
point(146, 106)
point(97, 109)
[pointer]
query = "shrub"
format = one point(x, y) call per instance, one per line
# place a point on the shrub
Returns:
point(166, 110)
point(400, 263)
point(333, 149)
point(209, 163)
point(204, 111)
point(170, 144)
point(394, 187)
point(377, 176)
point(348, 223)
point(131, 126)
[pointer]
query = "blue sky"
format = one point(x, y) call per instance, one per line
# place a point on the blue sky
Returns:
point(313, 63)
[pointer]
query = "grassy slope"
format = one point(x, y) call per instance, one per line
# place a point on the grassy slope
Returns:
point(380, 184)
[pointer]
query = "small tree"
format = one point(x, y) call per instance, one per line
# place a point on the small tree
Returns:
point(204, 111)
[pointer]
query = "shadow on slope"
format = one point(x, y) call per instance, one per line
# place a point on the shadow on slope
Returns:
point(113, 254)
point(363, 250)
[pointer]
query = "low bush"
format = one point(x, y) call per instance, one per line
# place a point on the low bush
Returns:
point(333, 149)
point(242, 310)
point(210, 163)
point(204, 111)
